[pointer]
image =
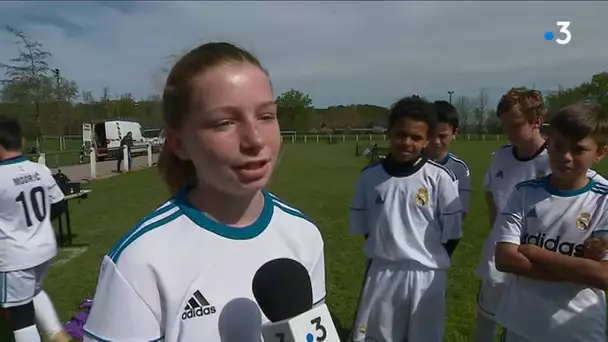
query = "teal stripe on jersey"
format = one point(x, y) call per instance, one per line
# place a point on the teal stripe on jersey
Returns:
point(570, 193)
point(14, 160)
point(143, 231)
point(290, 210)
point(229, 232)
point(154, 214)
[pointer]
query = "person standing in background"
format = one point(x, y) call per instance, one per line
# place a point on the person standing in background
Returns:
point(127, 141)
point(29, 200)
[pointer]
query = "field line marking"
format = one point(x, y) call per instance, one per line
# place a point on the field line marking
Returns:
point(71, 254)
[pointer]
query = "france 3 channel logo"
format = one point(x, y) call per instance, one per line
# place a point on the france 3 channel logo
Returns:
point(563, 37)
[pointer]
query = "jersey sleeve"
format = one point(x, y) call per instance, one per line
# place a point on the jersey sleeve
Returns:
point(450, 209)
point(53, 189)
point(118, 312)
point(358, 223)
point(509, 225)
point(487, 180)
point(317, 278)
point(464, 190)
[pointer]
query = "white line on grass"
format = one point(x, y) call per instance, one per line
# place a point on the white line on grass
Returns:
point(69, 254)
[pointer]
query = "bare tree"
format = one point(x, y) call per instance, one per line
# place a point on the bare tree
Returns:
point(26, 73)
point(464, 108)
point(481, 110)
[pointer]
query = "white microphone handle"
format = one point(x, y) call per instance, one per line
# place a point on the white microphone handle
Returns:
point(314, 325)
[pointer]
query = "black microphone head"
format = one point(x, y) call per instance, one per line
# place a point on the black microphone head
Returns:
point(282, 289)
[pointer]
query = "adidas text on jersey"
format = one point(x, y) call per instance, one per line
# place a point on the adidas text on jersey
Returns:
point(554, 244)
point(197, 306)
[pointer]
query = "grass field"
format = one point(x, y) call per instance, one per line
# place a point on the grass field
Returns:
point(317, 178)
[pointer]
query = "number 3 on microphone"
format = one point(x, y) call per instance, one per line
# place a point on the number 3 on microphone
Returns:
point(320, 328)
point(563, 28)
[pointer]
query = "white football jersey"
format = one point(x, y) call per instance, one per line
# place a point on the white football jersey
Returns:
point(181, 276)
point(408, 214)
point(558, 221)
point(505, 172)
point(27, 190)
point(460, 169)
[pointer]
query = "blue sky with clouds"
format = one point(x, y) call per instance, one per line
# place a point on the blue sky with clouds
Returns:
point(338, 52)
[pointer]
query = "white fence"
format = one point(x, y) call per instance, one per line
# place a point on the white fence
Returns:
point(318, 138)
point(93, 170)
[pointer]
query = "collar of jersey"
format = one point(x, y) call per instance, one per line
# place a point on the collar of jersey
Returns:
point(400, 169)
point(13, 160)
point(567, 193)
point(444, 160)
point(234, 233)
point(532, 157)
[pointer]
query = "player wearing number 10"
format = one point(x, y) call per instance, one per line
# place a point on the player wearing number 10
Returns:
point(29, 200)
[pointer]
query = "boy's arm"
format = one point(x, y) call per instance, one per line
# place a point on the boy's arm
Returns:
point(464, 191)
point(56, 197)
point(487, 180)
point(358, 210)
point(572, 269)
point(508, 257)
point(450, 213)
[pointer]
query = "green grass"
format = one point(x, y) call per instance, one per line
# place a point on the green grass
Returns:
point(317, 178)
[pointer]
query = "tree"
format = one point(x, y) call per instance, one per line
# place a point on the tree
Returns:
point(464, 108)
point(480, 110)
point(87, 97)
point(26, 73)
point(597, 89)
point(295, 110)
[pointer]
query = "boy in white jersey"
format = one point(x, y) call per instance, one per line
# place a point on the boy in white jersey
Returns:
point(521, 112)
point(185, 272)
point(550, 240)
point(29, 200)
point(408, 208)
point(438, 150)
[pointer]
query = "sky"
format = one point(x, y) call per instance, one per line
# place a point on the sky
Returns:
point(337, 52)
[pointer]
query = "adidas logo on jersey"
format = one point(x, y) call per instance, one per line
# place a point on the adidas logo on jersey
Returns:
point(499, 174)
point(197, 306)
point(554, 244)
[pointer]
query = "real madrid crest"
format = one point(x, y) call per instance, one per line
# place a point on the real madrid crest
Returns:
point(582, 222)
point(422, 197)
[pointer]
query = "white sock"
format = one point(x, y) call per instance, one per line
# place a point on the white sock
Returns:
point(29, 334)
point(485, 330)
point(46, 316)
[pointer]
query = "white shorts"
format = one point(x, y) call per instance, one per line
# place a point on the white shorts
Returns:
point(508, 336)
point(488, 298)
point(400, 304)
point(21, 286)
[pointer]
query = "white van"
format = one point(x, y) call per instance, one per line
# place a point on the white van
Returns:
point(105, 136)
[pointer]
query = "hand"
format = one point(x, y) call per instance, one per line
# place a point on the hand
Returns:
point(527, 250)
point(596, 248)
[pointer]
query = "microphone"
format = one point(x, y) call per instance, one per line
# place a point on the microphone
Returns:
point(283, 291)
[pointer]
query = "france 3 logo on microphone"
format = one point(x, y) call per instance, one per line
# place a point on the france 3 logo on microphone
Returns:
point(319, 335)
point(563, 36)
